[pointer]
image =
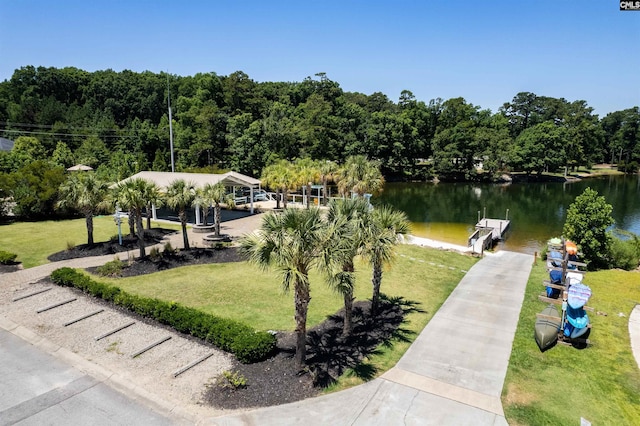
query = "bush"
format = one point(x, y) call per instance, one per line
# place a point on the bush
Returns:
point(232, 380)
point(70, 245)
point(245, 343)
point(154, 253)
point(7, 258)
point(168, 248)
point(111, 269)
point(625, 254)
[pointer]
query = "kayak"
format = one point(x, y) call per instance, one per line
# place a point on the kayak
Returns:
point(546, 329)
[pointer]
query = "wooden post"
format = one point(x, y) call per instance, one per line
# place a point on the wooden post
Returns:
point(535, 257)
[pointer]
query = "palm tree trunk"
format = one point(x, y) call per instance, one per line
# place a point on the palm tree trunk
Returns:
point(217, 212)
point(132, 223)
point(183, 222)
point(148, 216)
point(285, 192)
point(89, 220)
point(277, 199)
point(308, 195)
point(348, 313)
point(376, 281)
point(301, 304)
point(140, 229)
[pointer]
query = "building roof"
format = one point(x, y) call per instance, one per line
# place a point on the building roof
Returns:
point(6, 144)
point(164, 179)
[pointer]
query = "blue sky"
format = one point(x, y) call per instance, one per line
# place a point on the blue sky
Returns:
point(484, 51)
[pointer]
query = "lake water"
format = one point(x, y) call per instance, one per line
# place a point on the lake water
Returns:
point(449, 211)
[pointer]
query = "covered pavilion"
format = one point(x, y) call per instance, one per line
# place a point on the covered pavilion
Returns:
point(230, 179)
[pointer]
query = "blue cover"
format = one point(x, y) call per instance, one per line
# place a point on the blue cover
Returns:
point(577, 317)
point(556, 258)
point(555, 277)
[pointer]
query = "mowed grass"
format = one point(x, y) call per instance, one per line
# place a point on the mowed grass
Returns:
point(600, 383)
point(33, 242)
point(244, 292)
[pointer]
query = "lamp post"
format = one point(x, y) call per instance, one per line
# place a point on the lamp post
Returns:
point(118, 220)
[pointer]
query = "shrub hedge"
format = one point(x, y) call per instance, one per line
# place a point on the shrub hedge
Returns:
point(245, 343)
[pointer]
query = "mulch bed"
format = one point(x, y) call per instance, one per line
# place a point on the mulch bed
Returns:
point(277, 380)
point(151, 237)
point(164, 261)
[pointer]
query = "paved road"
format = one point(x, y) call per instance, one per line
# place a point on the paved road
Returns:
point(37, 389)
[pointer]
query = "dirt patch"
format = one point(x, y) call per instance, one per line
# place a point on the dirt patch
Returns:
point(151, 237)
point(329, 354)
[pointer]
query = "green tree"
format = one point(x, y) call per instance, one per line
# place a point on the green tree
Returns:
point(351, 215)
point(180, 196)
point(306, 173)
point(130, 195)
point(30, 146)
point(62, 155)
point(214, 194)
point(540, 148)
point(380, 238)
point(153, 197)
point(588, 218)
point(359, 176)
point(86, 193)
point(294, 242)
point(35, 189)
point(281, 177)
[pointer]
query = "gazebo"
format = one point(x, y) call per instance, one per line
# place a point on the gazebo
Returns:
point(231, 179)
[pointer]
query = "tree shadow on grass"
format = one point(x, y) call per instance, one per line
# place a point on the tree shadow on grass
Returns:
point(330, 354)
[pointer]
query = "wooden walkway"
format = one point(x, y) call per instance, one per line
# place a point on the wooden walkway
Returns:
point(487, 231)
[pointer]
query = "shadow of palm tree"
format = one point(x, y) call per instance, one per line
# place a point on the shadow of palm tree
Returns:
point(330, 354)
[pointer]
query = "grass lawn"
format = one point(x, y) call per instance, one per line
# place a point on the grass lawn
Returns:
point(244, 292)
point(33, 242)
point(600, 383)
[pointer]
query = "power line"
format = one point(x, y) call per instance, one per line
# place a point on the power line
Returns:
point(73, 135)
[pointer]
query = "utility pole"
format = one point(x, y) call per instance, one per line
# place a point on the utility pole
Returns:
point(173, 168)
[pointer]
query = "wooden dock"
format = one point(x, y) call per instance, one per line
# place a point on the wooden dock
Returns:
point(487, 232)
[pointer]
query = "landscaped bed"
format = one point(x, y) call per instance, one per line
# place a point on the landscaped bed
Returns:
point(242, 292)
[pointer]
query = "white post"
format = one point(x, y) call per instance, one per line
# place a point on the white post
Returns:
point(251, 196)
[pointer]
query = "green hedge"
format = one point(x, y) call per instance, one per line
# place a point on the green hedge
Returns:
point(245, 343)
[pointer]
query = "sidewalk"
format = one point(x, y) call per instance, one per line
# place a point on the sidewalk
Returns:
point(451, 375)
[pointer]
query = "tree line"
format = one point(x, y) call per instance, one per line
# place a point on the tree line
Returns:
point(118, 123)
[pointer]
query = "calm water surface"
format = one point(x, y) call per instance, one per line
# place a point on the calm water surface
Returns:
point(449, 211)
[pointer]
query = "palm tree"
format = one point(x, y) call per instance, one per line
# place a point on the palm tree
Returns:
point(295, 242)
point(279, 176)
point(352, 215)
point(360, 176)
point(130, 195)
point(306, 172)
point(153, 197)
point(86, 193)
point(180, 196)
point(380, 238)
point(215, 194)
point(328, 171)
